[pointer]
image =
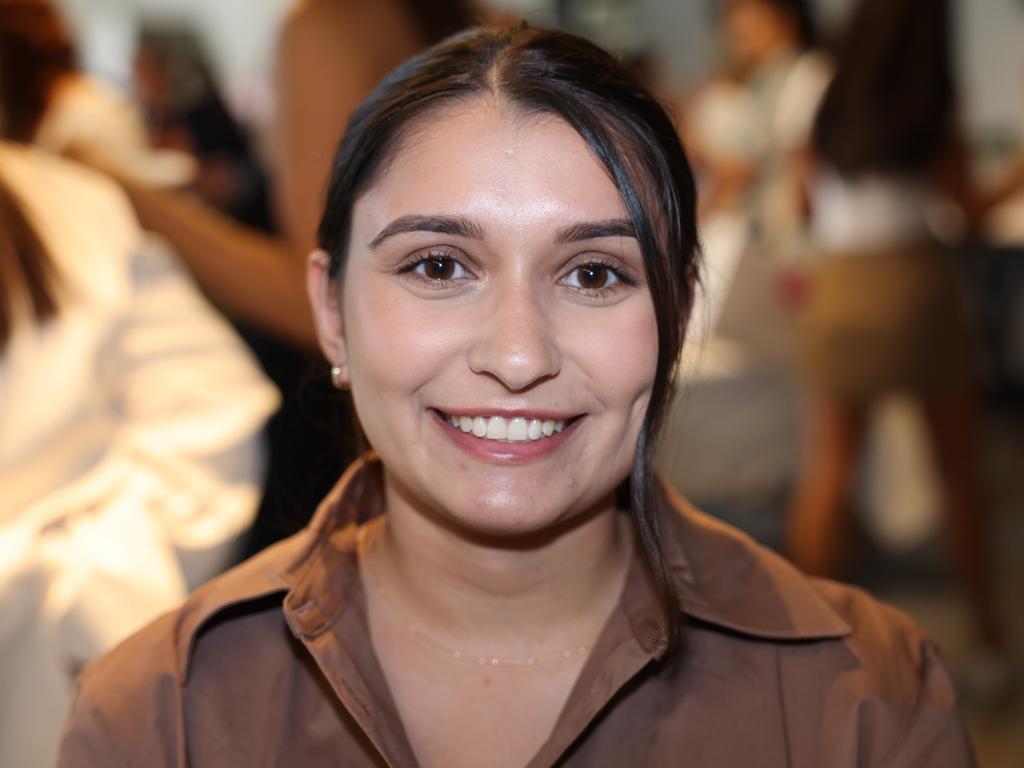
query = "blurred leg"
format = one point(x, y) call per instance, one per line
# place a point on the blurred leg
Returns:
point(952, 422)
point(816, 536)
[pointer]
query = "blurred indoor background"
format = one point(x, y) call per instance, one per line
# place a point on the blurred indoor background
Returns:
point(204, 78)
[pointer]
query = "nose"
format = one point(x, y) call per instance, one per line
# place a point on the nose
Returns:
point(515, 343)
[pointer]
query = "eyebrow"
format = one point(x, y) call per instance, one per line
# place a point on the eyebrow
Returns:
point(446, 225)
point(462, 227)
point(591, 230)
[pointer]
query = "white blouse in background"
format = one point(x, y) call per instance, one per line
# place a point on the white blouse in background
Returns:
point(87, 118)
point(130, 453)
point(870, 212)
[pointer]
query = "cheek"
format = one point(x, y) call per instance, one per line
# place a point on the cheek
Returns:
point(396, 343)
point(619, 352)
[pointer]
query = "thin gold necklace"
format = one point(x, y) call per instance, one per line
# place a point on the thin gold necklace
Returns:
point(458, 653)
point(482, 660)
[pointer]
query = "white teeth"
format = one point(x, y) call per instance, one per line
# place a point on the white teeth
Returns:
point(497, 428)
point(534, 430)
point(518, 429)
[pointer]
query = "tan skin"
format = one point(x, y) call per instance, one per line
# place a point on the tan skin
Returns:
point(508, 559)
point(463, 713)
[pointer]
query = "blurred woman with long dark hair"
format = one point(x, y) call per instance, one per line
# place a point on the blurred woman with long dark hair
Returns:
point(885, 312)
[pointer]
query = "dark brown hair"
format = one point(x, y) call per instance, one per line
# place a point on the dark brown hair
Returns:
point(549, 72)
point(35, 52)
point(892, 105)
point(25, 266)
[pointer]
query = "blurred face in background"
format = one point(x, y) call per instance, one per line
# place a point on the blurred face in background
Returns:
point(756, 30)
point(149, 80)
point(500, 338)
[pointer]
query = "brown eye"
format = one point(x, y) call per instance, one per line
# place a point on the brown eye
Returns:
point(592, 277)
point(439, 269)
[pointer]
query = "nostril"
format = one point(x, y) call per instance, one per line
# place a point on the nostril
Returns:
point(515, 345)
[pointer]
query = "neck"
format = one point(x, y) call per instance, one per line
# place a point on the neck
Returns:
point(500, 595)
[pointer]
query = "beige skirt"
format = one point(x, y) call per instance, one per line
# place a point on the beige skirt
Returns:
point(878, 321)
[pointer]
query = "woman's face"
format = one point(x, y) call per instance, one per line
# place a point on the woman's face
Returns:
point(755, 30)
point(495, 322)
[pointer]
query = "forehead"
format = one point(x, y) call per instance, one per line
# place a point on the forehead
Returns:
point(489, 159)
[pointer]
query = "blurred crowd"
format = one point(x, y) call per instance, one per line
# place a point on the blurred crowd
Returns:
point(161, 411)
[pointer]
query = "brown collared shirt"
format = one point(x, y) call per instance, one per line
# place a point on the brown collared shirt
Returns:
point(272, 665)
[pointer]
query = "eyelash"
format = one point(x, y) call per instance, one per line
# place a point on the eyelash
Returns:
point(605, 263)
point(411, 269)
point(421, 259)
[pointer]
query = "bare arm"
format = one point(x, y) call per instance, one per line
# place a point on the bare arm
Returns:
point(330, 56)
point(255, 278)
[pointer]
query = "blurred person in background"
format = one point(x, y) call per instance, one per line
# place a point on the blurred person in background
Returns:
point(358, 41)
point(885, 311)
point(130, 453)
point(731, 438)
point(47, 101)
point(748, 121)
point(185, 111)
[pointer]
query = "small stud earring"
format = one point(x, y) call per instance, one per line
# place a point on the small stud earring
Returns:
point(338, 377)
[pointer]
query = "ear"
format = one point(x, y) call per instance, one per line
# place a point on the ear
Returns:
point(327, 316)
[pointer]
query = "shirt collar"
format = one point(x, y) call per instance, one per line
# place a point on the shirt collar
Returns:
point(724, 578)
point(721, 576)
point(325, 578)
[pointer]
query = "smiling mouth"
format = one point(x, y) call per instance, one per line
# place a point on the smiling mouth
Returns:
point(517, 429)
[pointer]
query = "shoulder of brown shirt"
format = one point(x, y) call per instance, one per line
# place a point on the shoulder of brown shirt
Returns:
point(725, 581)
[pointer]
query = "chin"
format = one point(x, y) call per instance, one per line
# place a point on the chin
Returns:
point(508, 515)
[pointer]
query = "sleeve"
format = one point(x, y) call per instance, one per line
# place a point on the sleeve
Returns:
point(163, 509)
point(934, 735)
point(86, 742)
point(98, 123)
point(128, 709)
point(193, 403)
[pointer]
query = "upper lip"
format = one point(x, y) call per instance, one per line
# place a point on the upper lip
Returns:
point(510, 413)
